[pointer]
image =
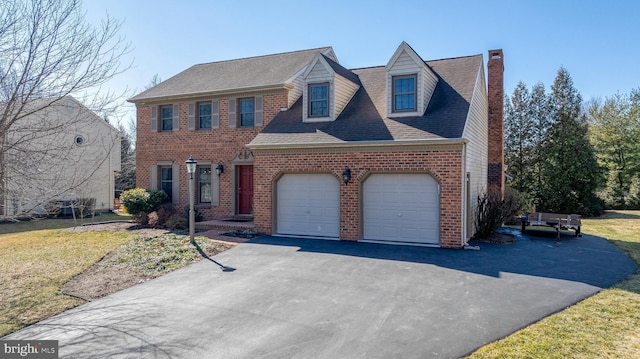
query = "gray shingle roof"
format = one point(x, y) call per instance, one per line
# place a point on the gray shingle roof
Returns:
point(364, 118)
point(247, 73)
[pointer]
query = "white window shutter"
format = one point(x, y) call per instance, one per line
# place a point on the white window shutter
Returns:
point(215, 114)
point(215, 187)
point(192, 116)
point(176, 117)
point(257, 120)
point(175, 184)
point(154, 118)
point(232, 112)
point(153, 177)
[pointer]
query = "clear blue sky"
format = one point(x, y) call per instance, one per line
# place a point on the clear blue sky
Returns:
point(598, 42)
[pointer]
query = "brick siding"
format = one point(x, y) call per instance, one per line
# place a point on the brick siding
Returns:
point(219, 145)
point(444, 163)
point(495, 97)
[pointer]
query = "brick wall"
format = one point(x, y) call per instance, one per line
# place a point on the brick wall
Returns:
point(219, 145)
point(444, 163)
point(495, 97)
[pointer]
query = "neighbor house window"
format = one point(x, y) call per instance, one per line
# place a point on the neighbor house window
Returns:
point(204, 185)
point(166, 118)
point(166, 180)
point(404, 93)
point(204, 115)
point(319, 100)
point(246, 110)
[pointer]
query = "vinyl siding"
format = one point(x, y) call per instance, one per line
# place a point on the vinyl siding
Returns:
point(295, 93)
point(343, 91)
point(318, 74)
point(426, 82)
point(476, 131)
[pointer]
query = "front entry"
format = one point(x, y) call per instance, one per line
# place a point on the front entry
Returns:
point(245, 190)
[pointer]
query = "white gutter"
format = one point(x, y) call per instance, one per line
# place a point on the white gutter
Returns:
point(360, 144)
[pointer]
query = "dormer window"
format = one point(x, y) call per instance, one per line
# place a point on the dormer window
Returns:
point(404, 93)
point(319, 100)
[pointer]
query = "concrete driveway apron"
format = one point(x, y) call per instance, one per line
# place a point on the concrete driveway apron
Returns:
point(304, 298)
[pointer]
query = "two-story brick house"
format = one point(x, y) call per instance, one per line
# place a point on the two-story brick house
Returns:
point(306, 147)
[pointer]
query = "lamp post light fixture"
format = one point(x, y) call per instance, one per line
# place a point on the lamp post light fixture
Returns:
point(219, 169)
point(346, 175)
point(191, 169)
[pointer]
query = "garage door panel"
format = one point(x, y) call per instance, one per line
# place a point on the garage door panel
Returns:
point(308, 205)
point(401, 207)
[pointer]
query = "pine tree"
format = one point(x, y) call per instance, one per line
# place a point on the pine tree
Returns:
point(541, 118)
point(570, 170)
point(519, 129)
point(614, 131)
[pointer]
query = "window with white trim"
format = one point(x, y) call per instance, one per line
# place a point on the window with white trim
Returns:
point(318, 100)
point(404, 93)
point(246, 111)
point(204, 115)
point(166, 180)
point(205, 189)
point(166, 118)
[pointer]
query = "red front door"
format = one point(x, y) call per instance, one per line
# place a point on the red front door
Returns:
point(245, 189)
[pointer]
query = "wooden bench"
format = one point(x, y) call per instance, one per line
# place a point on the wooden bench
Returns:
point(555, 220)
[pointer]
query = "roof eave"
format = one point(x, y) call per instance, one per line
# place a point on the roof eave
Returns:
point(285, 86)
point(360, 144)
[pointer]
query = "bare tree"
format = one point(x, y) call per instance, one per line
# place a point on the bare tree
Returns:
point(47, 53)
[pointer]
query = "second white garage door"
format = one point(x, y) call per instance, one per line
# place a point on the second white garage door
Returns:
point(308, 205)
point(401, 208)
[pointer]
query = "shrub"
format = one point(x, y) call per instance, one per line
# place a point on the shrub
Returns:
point(493, 209)
point(140, 200)
point(176, 221)
point(141, 218)
point(197, 214)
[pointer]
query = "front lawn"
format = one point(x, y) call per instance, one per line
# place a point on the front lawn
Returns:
point(606, 325)
point(38, 266)
point(34, 265)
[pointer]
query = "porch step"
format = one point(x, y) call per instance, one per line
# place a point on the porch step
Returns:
point(226, 224)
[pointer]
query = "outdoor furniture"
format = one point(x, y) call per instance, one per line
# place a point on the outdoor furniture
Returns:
point(555, 220)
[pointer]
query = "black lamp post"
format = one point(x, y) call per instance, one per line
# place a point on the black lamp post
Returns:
point(191, 169)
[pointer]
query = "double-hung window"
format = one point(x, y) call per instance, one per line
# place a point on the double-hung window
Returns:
point(166, 180)
point(204, 115)
point(319, 100)
point(166, 118)
point(246, 111)
point(404, 93)
point(204, 185)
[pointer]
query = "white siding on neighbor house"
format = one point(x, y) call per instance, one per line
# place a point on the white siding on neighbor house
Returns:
point(476, 132)
point(343, 91)
point(62, 167)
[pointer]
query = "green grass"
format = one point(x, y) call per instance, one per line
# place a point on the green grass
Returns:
point(56, 223)
point(35, 263)
point(606, 325)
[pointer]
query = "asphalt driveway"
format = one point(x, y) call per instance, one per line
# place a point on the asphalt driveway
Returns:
point(302, 298)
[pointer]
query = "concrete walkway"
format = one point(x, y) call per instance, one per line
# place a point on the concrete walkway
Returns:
point(302, 298)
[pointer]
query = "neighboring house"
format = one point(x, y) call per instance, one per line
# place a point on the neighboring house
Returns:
point(60, 152)
point(412, 137)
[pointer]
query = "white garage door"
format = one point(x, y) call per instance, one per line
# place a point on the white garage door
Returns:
point(308, 205)
point(401, 207)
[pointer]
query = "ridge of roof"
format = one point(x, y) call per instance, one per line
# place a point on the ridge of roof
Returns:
point(259, 56)
point(342, 71)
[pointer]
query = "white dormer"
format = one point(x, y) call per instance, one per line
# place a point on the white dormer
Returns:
point(325, 92)
point(410, 83)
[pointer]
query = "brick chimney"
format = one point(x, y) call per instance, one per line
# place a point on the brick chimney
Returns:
point(495, 93)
